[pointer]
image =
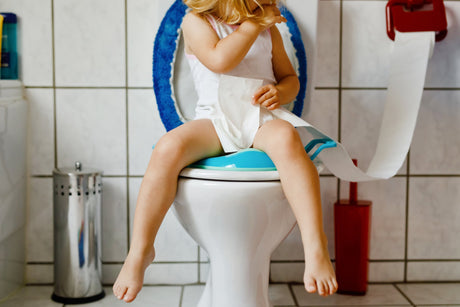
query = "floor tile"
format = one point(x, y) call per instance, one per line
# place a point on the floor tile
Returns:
point(280, 295)
point(432, 294)
point(32, 296)
point(380, 295)
point(149, 296)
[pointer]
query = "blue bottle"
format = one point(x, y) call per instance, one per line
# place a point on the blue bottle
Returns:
point(9, 55)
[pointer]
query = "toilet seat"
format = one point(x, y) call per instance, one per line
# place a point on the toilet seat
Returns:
point(245, 165)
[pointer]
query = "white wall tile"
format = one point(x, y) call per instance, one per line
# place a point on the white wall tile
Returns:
point(91, 128)
point(366, 46)
point(172, 242)
point(323, 111)
point(145, 129)
point(34, 40)
point(435, 147)
point(433, 271)
point(114, 219)
point(171, 274)
point(110, 273)
point(434, 212)
point(90, 43)
point(39, 274)
point(386, 271)
point(327, 61)
point(39, 233)
point(144, 17)
point(157, 273)
point(362, 112)
point(388, 215)
point(444, 66)
point(41, 131)
point(287, 272)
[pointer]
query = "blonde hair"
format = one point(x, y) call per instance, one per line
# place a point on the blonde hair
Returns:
point(228, 11)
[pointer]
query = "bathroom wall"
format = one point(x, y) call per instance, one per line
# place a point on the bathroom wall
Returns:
point(86, 66)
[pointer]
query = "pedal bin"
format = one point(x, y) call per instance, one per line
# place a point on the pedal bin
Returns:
point(77, 235)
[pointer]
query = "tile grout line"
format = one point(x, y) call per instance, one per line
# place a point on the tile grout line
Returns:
point(296, 303)
point(128, 217)
point(199, 262)
point(181, 296)
point(339, 102)
point(53, 57)
point(403, 294)
point(406, 226)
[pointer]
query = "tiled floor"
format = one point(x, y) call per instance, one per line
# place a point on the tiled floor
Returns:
point(281, 295)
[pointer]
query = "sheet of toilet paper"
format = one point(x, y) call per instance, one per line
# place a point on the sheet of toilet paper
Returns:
point(241, 118)
point(409, 61)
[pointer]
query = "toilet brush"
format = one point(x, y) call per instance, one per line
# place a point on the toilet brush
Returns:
point(352, 232)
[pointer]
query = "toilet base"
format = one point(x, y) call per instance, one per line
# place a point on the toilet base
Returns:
point(239, 224)
point(242, 287)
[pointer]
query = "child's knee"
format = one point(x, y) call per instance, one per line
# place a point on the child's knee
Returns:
point(168, 149)
point(284, 134)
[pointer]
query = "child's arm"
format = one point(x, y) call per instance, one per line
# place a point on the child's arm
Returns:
point(272, 96)
point(220, 55)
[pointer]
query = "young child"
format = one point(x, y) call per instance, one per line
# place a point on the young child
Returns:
point(235, 37)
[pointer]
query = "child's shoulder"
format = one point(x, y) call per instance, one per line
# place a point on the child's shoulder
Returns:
point(193, 18)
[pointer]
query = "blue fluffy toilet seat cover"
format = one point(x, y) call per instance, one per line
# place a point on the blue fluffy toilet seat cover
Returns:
point(164, 55)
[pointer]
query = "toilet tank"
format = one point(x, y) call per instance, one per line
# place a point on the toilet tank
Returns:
point(13, 140)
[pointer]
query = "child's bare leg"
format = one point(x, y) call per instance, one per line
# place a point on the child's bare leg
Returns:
point(300, 182)
point(180, 147)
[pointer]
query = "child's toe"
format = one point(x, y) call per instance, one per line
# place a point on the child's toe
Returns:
point(119, 291)
point(310, 285)
point(322, 288)
point(332, 287)
point(131, 294)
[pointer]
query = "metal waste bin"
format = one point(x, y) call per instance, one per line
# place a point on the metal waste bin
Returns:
point(77, 235)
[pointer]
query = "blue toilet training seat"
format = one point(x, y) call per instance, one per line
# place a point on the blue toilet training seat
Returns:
point(164, 57)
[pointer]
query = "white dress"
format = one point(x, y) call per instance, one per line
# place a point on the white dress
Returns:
point(257, 64)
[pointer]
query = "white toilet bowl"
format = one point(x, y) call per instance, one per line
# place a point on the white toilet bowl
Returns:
point(239, 224)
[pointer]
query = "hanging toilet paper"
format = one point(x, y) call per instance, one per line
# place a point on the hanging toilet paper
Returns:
point(409, 62)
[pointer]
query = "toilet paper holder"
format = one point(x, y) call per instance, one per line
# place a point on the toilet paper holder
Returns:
point(416, 16)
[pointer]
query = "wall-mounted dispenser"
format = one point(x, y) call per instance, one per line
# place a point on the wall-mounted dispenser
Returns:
point(8, 47)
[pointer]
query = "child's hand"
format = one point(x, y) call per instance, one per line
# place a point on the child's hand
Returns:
point(271, 15)
point(267, 96)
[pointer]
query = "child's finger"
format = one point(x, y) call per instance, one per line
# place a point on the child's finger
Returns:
point(259, 93)
point(269, 102)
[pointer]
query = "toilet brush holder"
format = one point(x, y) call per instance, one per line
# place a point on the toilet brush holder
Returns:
point(352, 233)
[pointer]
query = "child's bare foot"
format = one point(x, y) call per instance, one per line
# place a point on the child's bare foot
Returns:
point(319, 274)
point(131, 277)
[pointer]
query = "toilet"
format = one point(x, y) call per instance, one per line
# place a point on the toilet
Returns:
point(233, 206)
